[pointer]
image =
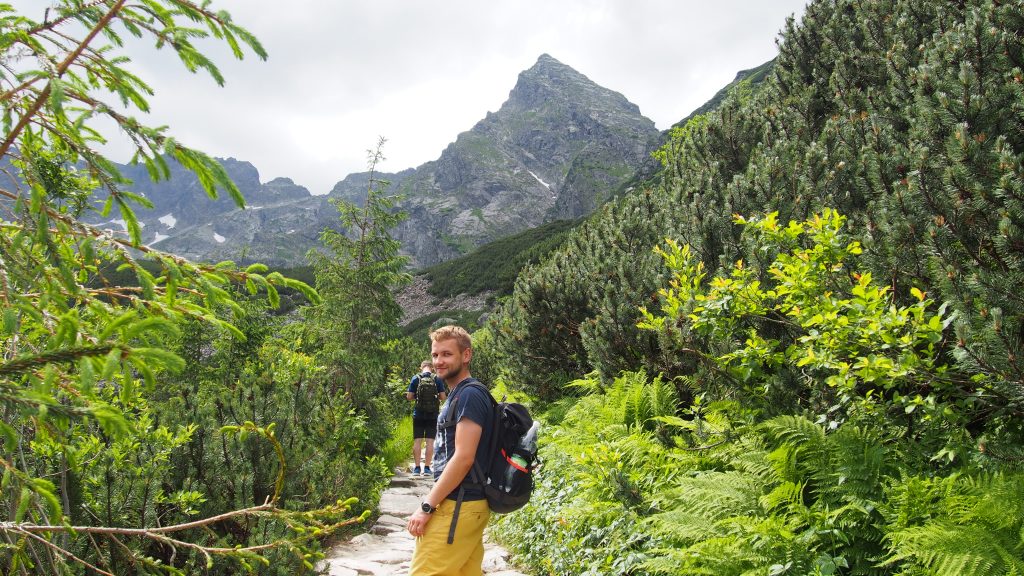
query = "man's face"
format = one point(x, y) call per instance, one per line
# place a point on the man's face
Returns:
point(449, 361)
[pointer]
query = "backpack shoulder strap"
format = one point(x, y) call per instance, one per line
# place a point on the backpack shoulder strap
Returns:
point(477, 477)
point(453, 400)
point(477, 474)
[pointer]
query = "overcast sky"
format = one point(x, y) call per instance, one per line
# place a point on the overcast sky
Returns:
point(341, 73)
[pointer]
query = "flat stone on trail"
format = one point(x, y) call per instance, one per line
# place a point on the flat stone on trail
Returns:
point(389, 520)
point(361, 566)
point(403, 482)
point(389, 555)
point(410, 491)
point(342, 571)
point(400, 504)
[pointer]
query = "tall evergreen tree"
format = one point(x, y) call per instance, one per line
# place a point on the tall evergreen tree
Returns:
point(354, 328)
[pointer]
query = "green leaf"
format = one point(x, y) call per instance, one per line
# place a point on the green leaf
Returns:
point(10, 320)
point(10, 436)
point(23, 502)
point(119, 321)
point(110, 419)
point(112, 364)
point(45, 489)
point(273, 297)
point(161, 357)
point(105, 211)
point(154, 324)
point(87, 375)
point(56, 96)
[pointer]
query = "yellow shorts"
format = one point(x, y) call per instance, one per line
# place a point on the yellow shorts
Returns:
point(434, 556)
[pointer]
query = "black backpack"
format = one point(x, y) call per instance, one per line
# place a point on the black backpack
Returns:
point(507, 478)
point(426, 395)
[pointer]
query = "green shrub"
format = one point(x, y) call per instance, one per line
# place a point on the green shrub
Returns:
point(495, 266)
point(399, 446)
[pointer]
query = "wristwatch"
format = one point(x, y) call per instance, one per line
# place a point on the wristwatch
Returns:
point(426, 507)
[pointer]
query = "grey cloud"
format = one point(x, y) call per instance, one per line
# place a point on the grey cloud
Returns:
point(341, 73)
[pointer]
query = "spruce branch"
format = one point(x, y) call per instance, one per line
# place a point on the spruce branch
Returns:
point(63, 356)
point(44, 95)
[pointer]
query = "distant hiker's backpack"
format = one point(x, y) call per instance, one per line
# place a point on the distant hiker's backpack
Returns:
point(426, 395)
point(507, 478)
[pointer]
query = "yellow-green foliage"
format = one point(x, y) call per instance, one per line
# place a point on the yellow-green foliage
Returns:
point(399, 446)
point(958, 525)
point(805, 318)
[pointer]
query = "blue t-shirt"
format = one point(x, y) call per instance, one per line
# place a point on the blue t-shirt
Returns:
point(473, 404)
point(414, 383)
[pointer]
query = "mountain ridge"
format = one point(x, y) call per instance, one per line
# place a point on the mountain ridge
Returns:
point(557, 148)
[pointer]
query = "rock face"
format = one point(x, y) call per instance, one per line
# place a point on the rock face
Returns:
point(280, 223)
point(353, 187)
point(557, 148)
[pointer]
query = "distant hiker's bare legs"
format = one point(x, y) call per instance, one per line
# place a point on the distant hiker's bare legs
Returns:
point(429, 460)
point(416, 447)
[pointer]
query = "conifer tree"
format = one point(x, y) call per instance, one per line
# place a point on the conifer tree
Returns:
point(961, 200)
point(354, 329)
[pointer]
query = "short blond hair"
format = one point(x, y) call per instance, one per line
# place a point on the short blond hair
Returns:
point(451, 332)
point(426, 364)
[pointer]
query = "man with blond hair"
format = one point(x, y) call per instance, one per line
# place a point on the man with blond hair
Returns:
point(449, 525)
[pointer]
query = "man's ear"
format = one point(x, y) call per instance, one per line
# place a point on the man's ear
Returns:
point(467, 355)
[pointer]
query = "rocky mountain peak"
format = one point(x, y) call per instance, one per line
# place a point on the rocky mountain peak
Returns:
point(549, 67)
point(550, 79)
point(556, 149)
point(244, 174)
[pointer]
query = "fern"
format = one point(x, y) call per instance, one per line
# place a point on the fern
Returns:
point(959, 525)
point(712, 496)
point(954, 550)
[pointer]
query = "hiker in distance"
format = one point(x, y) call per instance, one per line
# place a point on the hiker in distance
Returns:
point(455, 449)
point(427, 391)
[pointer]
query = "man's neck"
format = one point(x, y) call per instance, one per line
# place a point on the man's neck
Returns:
point(457, 379)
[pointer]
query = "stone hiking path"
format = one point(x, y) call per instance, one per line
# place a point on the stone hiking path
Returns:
point(387, 548)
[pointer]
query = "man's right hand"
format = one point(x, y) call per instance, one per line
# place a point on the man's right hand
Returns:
point(417, 524)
